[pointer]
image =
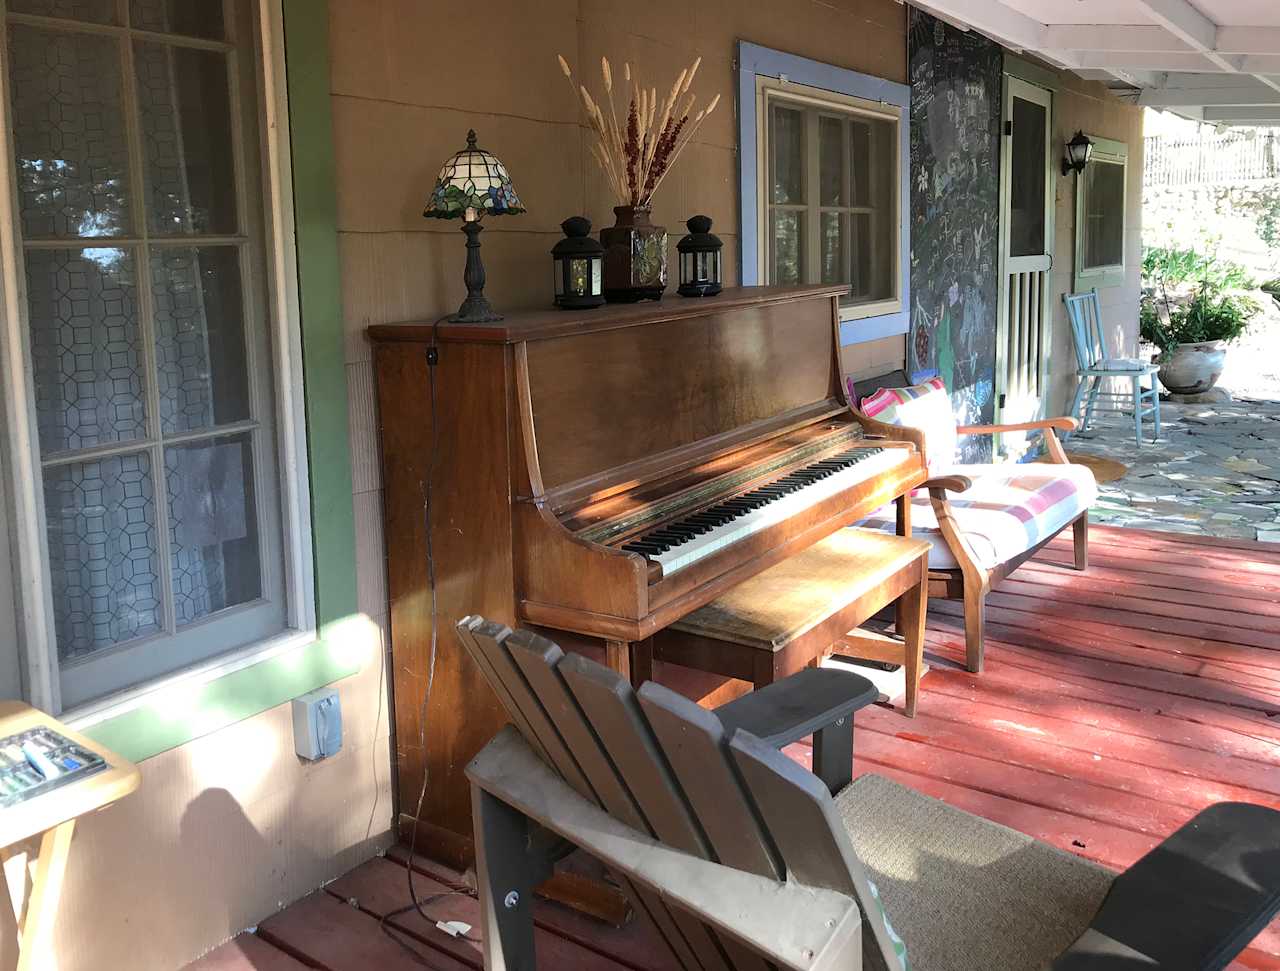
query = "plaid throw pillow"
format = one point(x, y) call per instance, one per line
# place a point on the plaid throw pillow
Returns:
point(924, 406)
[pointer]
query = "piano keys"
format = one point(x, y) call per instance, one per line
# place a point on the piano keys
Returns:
point(601, 475)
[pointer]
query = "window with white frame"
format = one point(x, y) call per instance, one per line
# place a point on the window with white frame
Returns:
point(135, 133)
point(1100, 216)
point(830, 183)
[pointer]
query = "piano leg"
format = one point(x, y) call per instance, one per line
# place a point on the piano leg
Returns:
point(631, 659)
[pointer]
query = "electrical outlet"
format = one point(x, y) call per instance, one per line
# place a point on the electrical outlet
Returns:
point(317, 724)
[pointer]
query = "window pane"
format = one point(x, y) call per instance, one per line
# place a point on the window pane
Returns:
point(200, 341)
point(1028, 181)
point(786, 141)
point(860, 162)
point(185, 114)
point(68, 133)
point(103, 559)
point(831, 160)
point(86, 347)
point(93, 11)
point(197, 18)
point(213, 526)
point(1103, 187)
point(788, 246)
point(834, 265)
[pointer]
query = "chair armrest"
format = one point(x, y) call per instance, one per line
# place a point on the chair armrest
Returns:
point(1194, 902)
point(1063, 424)
point(798, 706)
point(948, 483)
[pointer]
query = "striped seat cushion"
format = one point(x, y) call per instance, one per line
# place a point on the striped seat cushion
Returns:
point(1009, 509)
point(924, 406)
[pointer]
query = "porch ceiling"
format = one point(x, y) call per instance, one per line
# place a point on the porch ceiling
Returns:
point(1211, 60)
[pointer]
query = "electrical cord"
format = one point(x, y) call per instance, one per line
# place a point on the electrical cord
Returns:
point(418, 903)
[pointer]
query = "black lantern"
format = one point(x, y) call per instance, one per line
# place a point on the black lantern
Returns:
point(578, 265)
point(1079, 151)
point(699, 260)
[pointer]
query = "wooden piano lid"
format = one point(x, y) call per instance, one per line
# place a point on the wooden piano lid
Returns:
point(528, 325)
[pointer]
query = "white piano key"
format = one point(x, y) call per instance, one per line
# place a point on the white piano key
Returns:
point(699, 547)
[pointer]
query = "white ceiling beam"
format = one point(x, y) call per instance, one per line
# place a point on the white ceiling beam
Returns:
point(1243, 94)
point(1189, 24)
point(1248, 40)
point(1091, 37)
point(1185, 62)
point(992, 18)
point(1242, 115)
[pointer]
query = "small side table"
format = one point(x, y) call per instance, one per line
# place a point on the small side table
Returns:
point(49, 821)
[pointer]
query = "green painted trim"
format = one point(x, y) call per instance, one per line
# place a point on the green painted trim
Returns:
point(185, 712)
point(1029, 71)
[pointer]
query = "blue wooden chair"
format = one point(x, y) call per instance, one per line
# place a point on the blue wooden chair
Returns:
point(1094, 367)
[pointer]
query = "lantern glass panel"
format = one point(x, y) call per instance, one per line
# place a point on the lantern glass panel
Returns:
point(557, 275)
point(580, 277)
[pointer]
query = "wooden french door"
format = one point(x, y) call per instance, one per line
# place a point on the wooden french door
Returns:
point(1026, 256)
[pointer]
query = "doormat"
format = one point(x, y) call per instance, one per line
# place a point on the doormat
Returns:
point(1104, 470)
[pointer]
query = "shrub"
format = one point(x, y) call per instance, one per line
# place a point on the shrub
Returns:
point(1209, 311)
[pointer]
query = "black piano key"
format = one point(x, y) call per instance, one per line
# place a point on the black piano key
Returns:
point(648, 549)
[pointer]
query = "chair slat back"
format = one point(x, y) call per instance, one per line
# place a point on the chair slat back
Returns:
point(555, 727)
point(695, 745)
point(803, 823)
point(662, 765)
point(1085, 314)
point(610, 705)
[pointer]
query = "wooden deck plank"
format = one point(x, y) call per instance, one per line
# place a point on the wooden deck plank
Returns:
point(380, 887)
point(631, 946)
point(323, 932)
point(246, 952)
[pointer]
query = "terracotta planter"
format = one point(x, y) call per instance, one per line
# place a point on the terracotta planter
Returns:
point(1193, 368)
point(635, 257)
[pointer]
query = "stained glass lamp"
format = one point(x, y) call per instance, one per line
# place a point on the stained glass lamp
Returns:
point(473, 184)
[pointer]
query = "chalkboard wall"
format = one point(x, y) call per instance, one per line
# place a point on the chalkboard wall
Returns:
point(955, 196)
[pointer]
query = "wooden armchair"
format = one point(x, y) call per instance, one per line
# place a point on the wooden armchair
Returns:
point(986, 520)
point(741, 859)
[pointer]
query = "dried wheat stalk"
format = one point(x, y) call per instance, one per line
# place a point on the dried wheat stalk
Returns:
point(637, 153)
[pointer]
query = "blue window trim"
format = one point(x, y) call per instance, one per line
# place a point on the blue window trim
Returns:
point(754, 61)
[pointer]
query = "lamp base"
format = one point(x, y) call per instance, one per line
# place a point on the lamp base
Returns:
point(475, 309)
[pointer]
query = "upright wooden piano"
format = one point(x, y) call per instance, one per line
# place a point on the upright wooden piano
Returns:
point(599, 475)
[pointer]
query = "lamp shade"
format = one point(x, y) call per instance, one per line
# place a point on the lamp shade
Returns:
point(471, 184)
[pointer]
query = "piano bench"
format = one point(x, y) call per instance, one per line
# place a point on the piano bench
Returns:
point(793, 614)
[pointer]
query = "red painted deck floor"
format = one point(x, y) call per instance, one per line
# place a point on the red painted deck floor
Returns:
point(1114, 705)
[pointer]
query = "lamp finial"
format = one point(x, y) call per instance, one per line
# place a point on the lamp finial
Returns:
point(471, 138)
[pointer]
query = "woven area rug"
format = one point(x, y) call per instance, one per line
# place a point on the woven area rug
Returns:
point(1104, 470)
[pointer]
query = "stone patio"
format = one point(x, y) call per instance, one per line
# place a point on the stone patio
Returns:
point(1215, 471)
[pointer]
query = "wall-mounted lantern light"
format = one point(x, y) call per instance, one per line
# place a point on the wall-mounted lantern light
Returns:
point(1079, 151)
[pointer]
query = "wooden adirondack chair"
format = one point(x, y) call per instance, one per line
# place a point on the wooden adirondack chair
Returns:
point(741, 859)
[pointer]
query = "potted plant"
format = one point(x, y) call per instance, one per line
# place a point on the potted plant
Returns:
point(1191, 335)
point(1191, 326)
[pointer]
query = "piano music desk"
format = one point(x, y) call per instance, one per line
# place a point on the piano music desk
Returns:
point(36, 834)
point(792, 614)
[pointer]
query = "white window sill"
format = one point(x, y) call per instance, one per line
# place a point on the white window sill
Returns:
point(87, 715)
point(861, 311)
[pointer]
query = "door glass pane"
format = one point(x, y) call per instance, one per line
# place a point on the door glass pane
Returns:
point(213, 526)
point(1103, 187)
point(202, 368)
point(831, 161)
point(834, 265)
point(185, 112)
point(68, 133)
point(103, 559)
point(787, 241)
point(196, 18)
point(1028, 181)
point(786, 141)
point(92, 11)
point(86, 347)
